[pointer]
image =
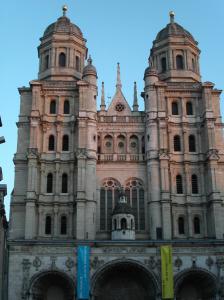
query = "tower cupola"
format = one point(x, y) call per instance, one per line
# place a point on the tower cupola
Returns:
point(123, 220)
point(62, 51)
point(175, 54)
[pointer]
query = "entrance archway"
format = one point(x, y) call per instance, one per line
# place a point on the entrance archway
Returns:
point(124, 280)
point(52, 285)
point(196, 284)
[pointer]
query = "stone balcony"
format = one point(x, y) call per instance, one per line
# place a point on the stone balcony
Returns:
point(120, 157)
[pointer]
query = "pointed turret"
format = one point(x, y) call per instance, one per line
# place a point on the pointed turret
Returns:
point(135, 102)
point(118, 84)
point(102, 105)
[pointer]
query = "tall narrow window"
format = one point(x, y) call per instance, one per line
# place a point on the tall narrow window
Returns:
point(175, 110)
point(194, 184)
point(143, 145)
point(65, 143)
point(176, 143)
point(63, 225)
point(53, 107)
point(51, 143)
point(192, 144)
point(123, 224)
point(197, 227)
point(62, 59)
point(66, 107)
point(115, 224)
point(49, 183)
point(163, 64)
point(179, 184)
point(193, 64)
point(181, 227)
point(189, 108)
point(64, 183)
point(46, 62)
point(48, 225)
point(77, 63)
point(179, 62)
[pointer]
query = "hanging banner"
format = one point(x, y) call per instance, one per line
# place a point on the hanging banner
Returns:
point(83, 272)
point(167, 272)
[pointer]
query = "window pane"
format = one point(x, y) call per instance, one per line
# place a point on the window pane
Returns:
point(63, 225)
point(64, 187)
point(62, 60)
point(181, 228)
point(49, 183)
point(48, 225)
point(53, 107)
point(65, 143)
point(142, 209)
point(66, 107)
point(51, 143)
point(179, 184)
point(194, 184)
point(135, 207)
point(179, 62)
point(175, 108)
point(102, 209)
point(109, 209)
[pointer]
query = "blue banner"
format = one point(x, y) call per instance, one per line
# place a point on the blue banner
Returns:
point(83, 272)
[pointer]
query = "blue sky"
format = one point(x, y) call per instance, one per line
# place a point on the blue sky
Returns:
point(116, 31)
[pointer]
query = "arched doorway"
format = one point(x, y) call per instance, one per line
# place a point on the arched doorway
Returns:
point(196, 284)
point(52, 285)
point(124, 280)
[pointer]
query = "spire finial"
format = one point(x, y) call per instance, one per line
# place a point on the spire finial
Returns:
point(64, 9)
point(135, 102)
point(118, 85)
point(89, 60)
point(172, 15)
point(102, 105)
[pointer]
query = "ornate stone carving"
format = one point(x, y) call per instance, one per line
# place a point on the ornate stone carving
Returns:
point(96, 262)
point(178, 263)
point(26, 274)
point(212, 154)
point(69, 263)
point(81, 153)
point(220, 263)
point(209, 262)
point(194, 260)
point(53, 262)
point(37, 263)
point(151, 263)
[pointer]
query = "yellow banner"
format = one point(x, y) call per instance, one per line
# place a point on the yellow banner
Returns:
point(167, 272)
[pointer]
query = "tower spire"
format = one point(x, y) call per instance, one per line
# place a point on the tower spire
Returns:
point(135, 102)
point(118, 84)
point(64, 9)
point(102, 105)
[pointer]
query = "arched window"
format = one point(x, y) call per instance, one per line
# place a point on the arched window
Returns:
point(123, 224)
point(197, 227)
point(194, 184)
point(63, 225)
point(62, 59)
point(66, 107)
point(179, 62)
point(51, 143)
point(133, 144)
point(53, 107)
point(48, 225)
point(64, 183)
point(189, 108)
point(65, 143)
point(121, 144)
point(46, 62)
point(77, 63)
point(193, 64)
point(176, 143)
point(175, 110)
point(179, 184)
point(192, 144)
point(49, 183)
point(143, 145)
point(115, 224)
point(163, 64)
point(108, 144)
point(181, 227)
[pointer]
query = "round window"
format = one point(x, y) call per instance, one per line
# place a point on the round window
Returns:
point(119, 107)
point(133, 145)
point(108, 144)
point(120, 144)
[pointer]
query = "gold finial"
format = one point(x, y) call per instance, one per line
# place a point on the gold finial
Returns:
point(64, 9)
point(172, 14)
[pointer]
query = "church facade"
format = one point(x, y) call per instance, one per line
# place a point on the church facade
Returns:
point(119, 180)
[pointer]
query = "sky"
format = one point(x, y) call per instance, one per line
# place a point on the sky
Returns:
point(116, 31)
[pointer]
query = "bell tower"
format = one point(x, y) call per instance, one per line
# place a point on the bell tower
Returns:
point(62, 51)
point(175, 54)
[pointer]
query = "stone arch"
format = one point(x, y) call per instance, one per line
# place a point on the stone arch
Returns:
point(47, 284)
point(195, 283)
point(125, 268)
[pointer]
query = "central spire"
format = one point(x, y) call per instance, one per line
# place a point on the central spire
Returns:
point(118, 84)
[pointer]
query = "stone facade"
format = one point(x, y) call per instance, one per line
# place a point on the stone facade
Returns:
point(72, 161)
